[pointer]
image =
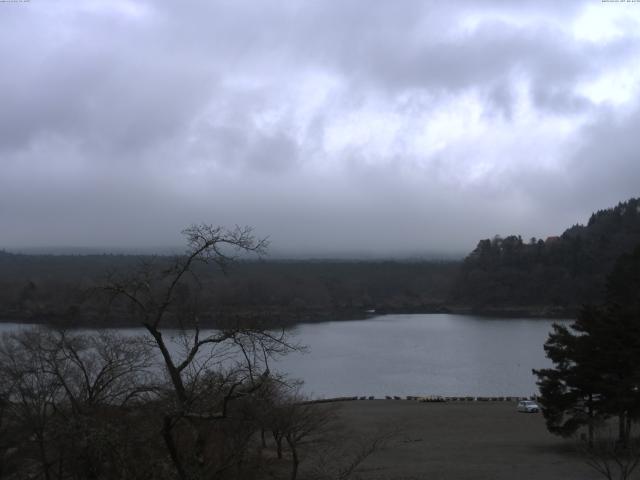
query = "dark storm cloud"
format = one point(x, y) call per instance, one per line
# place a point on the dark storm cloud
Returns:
point(328, 125)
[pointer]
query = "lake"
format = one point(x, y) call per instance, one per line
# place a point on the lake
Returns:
point(430, 354)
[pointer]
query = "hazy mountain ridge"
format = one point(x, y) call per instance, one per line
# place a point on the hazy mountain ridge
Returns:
point(507, 275)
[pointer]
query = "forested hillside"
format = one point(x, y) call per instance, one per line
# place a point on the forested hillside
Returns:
point(555, 274)
point(62, 288)
point(507, 276)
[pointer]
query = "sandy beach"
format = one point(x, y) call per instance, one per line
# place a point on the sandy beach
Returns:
point(461, 440)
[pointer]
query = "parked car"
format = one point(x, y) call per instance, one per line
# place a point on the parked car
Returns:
point(528, 406)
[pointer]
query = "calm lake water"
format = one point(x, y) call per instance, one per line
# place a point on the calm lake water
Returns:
point(434, 354)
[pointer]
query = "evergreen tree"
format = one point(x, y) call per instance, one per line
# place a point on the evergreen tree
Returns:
point(596, 371)
point(622, 356)
point(570, 392)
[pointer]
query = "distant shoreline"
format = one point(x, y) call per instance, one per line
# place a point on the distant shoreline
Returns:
point(289, 319)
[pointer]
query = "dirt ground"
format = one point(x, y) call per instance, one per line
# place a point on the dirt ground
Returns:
point(466, 440)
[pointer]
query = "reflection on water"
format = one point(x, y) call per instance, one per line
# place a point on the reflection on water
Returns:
point(434, 354)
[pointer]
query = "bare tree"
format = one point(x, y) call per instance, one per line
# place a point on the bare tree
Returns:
point(611, 458)
point(341, 459)
point(5, 399)
point(206, 370)
point(313, 435)
point(32, 397)
point(66, 399)
point(304, 420)
point(97, 405)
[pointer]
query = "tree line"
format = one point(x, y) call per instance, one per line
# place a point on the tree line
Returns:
point(63, 289)
point(502, 275)
point(560, 273)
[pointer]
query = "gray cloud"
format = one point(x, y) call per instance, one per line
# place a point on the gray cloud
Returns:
point(331, 127)
point(606, 167)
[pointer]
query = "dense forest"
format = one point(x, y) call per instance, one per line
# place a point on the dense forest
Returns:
point(555, 275)
point(54, 288)
point(503, 275)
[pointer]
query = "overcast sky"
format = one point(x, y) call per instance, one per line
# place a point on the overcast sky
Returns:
point(330, 126)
